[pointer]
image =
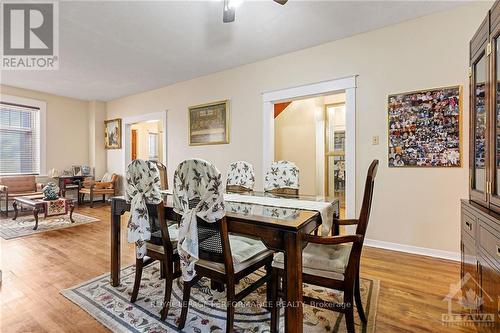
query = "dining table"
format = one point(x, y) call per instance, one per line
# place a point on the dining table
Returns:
point(279, 228)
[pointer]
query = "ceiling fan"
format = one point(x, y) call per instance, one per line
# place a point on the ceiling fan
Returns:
point(230, 9)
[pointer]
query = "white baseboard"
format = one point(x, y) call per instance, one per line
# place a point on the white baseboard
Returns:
point(455, 256)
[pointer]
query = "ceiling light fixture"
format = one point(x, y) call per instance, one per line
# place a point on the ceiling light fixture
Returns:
point(230, 6)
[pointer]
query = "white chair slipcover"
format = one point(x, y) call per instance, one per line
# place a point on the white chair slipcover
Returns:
point(143, 187)
point(281, 174)
point(197, 181)
point(241, 173)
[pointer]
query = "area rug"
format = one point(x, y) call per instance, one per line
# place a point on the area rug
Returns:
point(111, 306)
point(23, 225)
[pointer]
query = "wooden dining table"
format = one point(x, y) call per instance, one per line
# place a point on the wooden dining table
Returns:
point(279, 229)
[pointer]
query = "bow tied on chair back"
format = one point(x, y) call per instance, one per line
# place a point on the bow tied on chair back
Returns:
point(143, 187)
point(198, 192)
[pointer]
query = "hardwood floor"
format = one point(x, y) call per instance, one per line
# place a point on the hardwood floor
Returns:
point(37, 267)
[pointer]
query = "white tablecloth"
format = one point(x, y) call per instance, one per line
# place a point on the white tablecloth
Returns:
point(325, 209)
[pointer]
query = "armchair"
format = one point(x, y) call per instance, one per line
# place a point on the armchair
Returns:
point(18, 186)
point(107, 185)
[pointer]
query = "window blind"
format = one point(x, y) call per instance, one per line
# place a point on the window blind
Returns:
point(19, 139)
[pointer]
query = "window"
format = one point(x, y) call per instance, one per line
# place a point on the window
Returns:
point(19, 139)
point(153, 146)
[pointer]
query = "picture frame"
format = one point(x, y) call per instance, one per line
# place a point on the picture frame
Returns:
point(113, 134)
point(77, 170)
point(209, 123)
point(425, 128)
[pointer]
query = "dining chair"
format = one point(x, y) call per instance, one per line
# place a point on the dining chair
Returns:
point(222, 257)
point(333, 262)
point(282, 177)
point(143, 183)
point(240, 177)
point(162, 169)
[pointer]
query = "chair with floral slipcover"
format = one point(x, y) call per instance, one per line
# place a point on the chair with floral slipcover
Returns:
point(205, 247)
point(149, 229)
point(240, 177)
point(282, 177)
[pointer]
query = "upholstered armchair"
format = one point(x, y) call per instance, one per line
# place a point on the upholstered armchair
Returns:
point(18, 186)
point(107, 185)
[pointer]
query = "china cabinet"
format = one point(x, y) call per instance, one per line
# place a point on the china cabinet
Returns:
point(480, 215)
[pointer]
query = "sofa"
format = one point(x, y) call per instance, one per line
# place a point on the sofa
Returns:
point(17, 186)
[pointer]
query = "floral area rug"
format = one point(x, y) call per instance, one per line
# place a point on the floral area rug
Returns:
point(207, 312)
point(23, 225)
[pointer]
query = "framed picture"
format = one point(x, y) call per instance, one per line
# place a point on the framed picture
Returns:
point(424, 128)
point(209, 124)
point(77, 170)
point(113, 134)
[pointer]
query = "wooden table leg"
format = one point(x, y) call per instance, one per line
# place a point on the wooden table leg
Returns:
point(35, 214)
point(293, 282)
point(115, 243)
point(71, 209)
point(14, 205)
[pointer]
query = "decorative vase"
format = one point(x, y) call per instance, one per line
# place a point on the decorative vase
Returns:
point(50, 192)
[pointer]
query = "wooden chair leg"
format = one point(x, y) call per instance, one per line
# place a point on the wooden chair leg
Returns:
point(275, 310)
point(104, 198)
point(269, 285)
point(169, 279)
point(91, 200)
point(230, 292)
point(349, 309)
point(137, 283)
point(359, 304)
point(186, 295)
point(162, 270)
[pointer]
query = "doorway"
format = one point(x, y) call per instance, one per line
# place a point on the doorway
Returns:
point(311, 133)
point(146, 140)
point(152, 138)
point(334, 123)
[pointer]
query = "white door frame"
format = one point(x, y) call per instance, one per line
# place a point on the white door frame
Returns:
point(347, 85)
point(126, 137)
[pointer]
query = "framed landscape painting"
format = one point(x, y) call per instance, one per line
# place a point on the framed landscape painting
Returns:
point(209, 124)
point(424, 128)
point(113, 134)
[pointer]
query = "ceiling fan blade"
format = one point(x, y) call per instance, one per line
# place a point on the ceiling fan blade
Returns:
point(229, 12)
point(281, 2)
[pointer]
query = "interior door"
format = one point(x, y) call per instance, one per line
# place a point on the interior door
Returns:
point(134, 144)
point(479, 120)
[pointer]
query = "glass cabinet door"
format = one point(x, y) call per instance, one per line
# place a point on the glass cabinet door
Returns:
point(495, 159)
point(480, 115)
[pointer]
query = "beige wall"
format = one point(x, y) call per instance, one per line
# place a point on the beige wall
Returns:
point(295, 139)
point(67, 133)
point(418, 207)
point(97, 153)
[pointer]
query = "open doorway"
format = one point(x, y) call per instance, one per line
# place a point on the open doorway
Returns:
point(146, 140)
point(332, 137)
point(150, 142)
point(311, 133)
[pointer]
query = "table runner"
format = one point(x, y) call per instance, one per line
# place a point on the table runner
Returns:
point(325, 209)
point(56, 207)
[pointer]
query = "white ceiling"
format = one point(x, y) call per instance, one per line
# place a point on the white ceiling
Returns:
point(113, 49)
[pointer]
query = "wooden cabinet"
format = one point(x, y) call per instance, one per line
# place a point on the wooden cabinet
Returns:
point(480, 215)
point(480, 247)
